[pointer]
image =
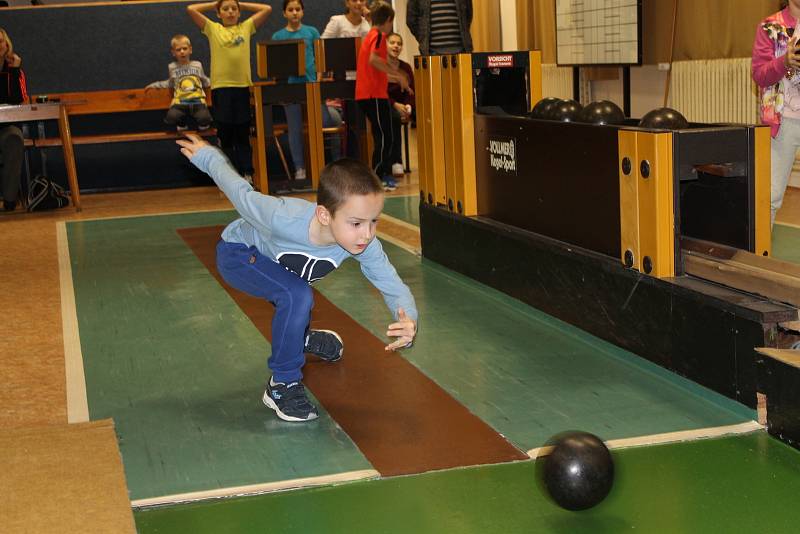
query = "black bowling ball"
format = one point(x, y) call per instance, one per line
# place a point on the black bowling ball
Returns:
point(602, 112)
point(579, 472)
point(664, 119)
point(543, 108)
point(566, 111)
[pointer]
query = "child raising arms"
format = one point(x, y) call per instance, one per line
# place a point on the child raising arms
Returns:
point(280, 246)
point(230, 72)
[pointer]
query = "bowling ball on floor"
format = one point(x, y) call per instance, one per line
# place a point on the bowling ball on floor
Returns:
point(566, 111)
point(602, 112)
point(579, 471)
point(664, 119)
point(543, 108)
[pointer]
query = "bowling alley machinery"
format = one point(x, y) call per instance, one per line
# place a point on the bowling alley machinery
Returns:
point(652, 233)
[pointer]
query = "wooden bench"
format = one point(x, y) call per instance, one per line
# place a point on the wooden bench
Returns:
point(115, 101)
point(118, 101)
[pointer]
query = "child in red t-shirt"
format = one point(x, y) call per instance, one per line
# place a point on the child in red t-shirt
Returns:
point(372, 81)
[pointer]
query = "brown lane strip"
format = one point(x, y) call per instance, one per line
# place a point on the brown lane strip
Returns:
point(400, 419)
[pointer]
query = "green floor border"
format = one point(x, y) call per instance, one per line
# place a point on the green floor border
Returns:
point(746, 483)
point(786, 242)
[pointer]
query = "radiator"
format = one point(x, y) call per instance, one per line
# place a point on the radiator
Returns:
point(717, 90)
point(556, 81)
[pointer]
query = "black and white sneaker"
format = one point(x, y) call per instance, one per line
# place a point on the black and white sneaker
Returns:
point(326, 344)
point(289, 401)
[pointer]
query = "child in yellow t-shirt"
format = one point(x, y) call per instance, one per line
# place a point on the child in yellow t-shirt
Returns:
point(230, 73)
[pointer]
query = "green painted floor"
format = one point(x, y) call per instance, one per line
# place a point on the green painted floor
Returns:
point(525, 373)
point(403, 208)
point(746, 483)
point(181, 369)
point(786, 243)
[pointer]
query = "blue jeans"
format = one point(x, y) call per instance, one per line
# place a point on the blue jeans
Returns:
point(294, 121)
point(248, 270)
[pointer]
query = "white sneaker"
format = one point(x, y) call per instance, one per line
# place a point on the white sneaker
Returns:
point(300, 174)
point(397, 170)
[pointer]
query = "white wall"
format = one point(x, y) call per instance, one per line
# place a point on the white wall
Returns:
point(508, 24)
point(647, 89)
point(410, 45)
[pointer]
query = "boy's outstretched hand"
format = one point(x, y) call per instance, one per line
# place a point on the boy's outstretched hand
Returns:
point(191, 145)
point(404, 330)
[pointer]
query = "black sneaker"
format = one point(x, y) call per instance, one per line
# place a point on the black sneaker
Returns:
point(289, 401)
point(324, 343)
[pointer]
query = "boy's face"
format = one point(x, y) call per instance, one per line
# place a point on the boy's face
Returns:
point(354, 223)
point(293, 13)
point(395, 46)
point(182, 51)
point(387, 26)
point(229, 13)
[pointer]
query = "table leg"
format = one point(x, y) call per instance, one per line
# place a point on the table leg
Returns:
point(69, 157)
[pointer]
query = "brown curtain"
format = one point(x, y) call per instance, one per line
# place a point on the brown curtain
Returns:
point(486, 36)
point(536, 27)
point(706, 29)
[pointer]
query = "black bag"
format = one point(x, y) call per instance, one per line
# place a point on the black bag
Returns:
point(44, 194)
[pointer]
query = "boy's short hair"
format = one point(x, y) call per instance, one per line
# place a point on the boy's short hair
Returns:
point(381, 12)
point(220, 2)
point(287, 2)
point(179, 37)
point(394, 34)
point(344, 178)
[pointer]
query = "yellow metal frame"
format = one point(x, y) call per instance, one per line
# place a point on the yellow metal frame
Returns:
point(451, 117)
point(629, 198)
point(646, 202)
point(656, 204)
point(465, 200)
point(431, 129)
point(762, 165)
point(535, 81)
point(422, 141)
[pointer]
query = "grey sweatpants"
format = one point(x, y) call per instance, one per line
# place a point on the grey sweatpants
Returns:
point(783, 149)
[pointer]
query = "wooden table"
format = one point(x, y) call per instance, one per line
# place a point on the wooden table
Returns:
point(49, 111)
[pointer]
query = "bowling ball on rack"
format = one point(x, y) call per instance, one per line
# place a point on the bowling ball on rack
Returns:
point(566, 111)
point(664, 119)
point(602, 112)
point(543, 108)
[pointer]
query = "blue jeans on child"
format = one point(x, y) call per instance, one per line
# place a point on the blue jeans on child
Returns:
point(294, 121)
point(246, 269)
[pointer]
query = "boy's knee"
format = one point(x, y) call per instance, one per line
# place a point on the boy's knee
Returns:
point(299, 296)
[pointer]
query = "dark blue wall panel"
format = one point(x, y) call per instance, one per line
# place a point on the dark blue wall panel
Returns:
point(121, 46)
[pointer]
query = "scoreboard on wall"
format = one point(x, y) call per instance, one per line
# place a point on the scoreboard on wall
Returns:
point(598, 32)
